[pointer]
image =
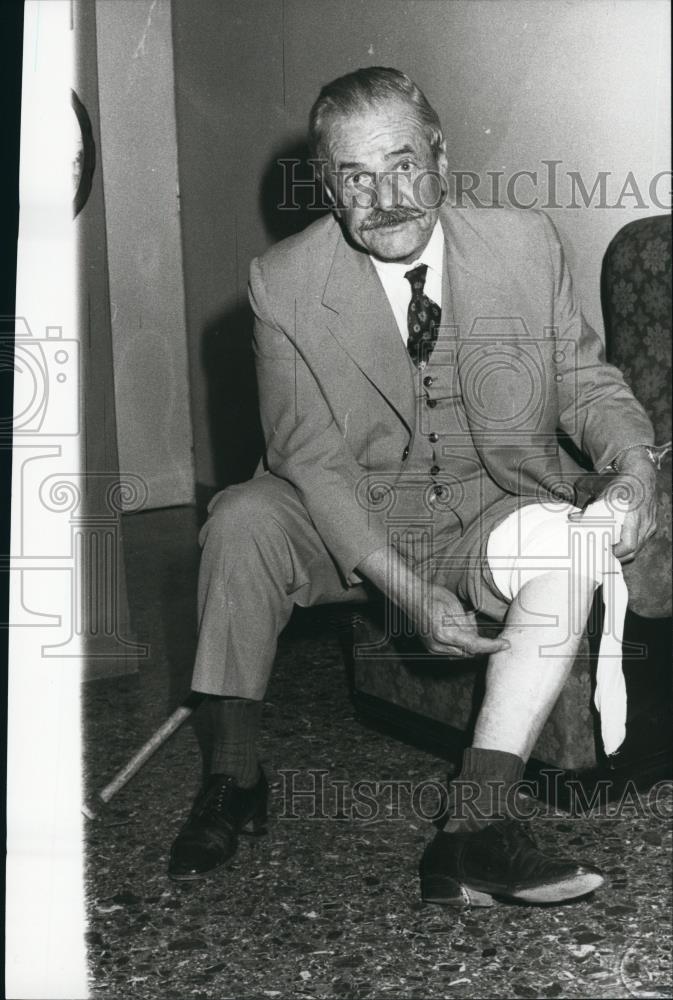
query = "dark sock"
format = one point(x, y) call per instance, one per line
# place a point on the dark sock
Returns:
point(482, 791)
point(236, 727)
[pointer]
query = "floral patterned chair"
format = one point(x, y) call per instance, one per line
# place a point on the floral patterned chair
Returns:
point(636, 293)
point(435, 703)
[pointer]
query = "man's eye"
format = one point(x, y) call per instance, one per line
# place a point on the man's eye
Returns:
point(359, 180)
point(406, 165)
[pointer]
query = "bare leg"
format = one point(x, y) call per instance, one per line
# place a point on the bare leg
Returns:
point(524, 681)
point(474, 859)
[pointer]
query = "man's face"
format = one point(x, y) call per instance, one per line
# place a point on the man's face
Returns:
point(383, 177)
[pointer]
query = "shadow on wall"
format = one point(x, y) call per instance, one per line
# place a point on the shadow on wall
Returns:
point(286, 207)
point(226, 345)
point(228, 365)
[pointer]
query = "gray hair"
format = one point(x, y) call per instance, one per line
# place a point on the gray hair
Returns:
point(362, 90)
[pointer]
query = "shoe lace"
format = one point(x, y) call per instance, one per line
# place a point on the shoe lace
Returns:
point(519, 838)
point(215, 799)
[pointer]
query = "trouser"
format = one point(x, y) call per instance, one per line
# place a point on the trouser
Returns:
point(261, 555)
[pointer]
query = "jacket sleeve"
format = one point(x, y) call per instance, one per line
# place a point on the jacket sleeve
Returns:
point(304, 444)
point(598, 411)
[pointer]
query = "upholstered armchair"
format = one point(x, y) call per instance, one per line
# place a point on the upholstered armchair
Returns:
point(435, 703)
point(636, 295)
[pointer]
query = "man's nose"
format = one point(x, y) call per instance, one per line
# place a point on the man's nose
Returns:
point(388, 190)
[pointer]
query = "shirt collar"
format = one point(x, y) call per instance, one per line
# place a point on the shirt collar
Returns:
point(433, 256)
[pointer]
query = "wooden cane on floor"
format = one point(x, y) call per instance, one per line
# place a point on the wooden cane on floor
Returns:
point(92, 808)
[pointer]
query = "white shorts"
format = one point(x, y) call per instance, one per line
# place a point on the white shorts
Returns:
point(538, 538)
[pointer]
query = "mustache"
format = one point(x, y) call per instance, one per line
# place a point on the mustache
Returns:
point(381, 220)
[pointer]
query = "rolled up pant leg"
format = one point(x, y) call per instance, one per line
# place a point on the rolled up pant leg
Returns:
point(261, 555)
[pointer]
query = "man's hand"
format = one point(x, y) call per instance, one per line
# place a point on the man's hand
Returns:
point(440, 619)
point(447, 629)
point(635, 487)
point(640, 523)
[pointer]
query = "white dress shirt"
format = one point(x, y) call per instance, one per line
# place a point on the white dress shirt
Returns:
point(398, 288)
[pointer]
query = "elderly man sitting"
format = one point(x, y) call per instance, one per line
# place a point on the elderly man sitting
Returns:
point(423, 356)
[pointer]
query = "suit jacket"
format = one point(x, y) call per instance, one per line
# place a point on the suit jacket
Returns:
point(337, 393)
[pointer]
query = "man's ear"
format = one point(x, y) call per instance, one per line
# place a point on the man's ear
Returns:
point(443, 168)
point(442, 159)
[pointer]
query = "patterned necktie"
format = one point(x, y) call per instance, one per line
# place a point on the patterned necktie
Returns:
point(423, 318)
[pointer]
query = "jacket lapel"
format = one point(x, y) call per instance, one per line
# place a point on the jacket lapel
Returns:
point(501, 362)
point(361, 319)
point(475, 283)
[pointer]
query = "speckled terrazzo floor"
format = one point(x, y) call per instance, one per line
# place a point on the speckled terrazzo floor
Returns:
point(325, 907)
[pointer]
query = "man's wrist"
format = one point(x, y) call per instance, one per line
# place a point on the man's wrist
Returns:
point(395, 578)
point(634, 458)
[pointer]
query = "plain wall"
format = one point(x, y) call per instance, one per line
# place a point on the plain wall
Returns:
point(100, 451)
point(515, 83)
point(139, 158)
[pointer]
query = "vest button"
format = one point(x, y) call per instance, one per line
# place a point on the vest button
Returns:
point(428, 380)
point(434, 437)
point(432, 403)
point(434, 470)
point(405, 454)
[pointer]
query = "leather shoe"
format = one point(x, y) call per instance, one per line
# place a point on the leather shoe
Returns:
point(502, 860)
point(221, 811)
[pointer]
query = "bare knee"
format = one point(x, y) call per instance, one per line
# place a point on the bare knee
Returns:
point(557, 594)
